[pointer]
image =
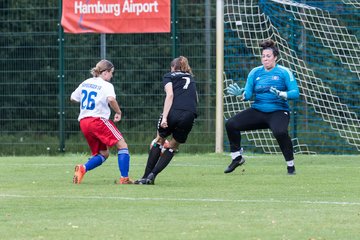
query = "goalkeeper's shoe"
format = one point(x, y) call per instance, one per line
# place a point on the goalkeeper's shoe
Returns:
point(238, 161)
point(125, 180)
point(291, 170)
point(79, 174)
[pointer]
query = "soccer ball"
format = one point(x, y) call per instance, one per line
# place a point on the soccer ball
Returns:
point(165, 146)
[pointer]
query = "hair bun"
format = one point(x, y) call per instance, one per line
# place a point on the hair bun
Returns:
point(267, 44)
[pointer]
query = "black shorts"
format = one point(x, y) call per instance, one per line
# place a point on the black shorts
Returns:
point(180, 123)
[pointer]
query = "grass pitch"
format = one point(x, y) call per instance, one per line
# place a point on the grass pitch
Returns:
point(191, 199)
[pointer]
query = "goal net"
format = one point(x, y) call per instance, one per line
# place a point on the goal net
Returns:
point(316, 41)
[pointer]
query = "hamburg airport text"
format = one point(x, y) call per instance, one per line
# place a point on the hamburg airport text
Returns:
point(129, 6)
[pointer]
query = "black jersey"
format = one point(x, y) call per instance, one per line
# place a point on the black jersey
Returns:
point(184, 88)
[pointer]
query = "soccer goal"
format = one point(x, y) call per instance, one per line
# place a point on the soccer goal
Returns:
point(319, 42)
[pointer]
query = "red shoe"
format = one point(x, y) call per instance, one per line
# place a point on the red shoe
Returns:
point(79, 174)
point(125, 180)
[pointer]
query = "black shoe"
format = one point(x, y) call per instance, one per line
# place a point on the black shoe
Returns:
point(234, 164)
point(140, 181)
point(150, 179)
point(291, 170)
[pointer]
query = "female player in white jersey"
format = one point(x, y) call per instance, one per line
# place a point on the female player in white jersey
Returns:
point(177, 118)
point(272, 86)
point(95, 95)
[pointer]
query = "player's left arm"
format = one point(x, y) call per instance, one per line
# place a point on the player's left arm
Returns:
point(115, 106)
point(291, 85)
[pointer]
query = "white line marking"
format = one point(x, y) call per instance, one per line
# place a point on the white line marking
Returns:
point(109, 164)
point(181, 199)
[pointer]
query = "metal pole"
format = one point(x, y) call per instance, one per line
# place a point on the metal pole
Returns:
point(103, 46)
point(174, 22)
point(61, 78)
point(208, 74)
point(293, 38)
point(219, 132)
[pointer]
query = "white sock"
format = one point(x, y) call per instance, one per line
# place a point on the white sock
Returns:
point(235, 154)
point(290, 163)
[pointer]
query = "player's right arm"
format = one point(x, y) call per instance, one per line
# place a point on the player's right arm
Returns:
point(76, 95)
point(167, 104)
point(249, 86)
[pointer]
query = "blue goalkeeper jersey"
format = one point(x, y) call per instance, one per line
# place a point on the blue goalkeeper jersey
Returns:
point(258, 85)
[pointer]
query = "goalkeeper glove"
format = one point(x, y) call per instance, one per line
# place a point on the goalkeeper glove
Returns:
point(280, 94)
point(236, 91)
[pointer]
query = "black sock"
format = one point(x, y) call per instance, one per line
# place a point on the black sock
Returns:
point(164, 160)
point(153, 157)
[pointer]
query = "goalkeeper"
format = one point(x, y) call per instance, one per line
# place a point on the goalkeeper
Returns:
point(271, 85)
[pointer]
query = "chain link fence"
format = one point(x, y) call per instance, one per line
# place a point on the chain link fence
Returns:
point(36, 116)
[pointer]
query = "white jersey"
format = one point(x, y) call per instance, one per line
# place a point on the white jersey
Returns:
point(92, 95)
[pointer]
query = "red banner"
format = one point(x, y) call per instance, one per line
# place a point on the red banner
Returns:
point(116, 16)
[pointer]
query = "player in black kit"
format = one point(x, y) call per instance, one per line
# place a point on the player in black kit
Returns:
point(177, 118)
